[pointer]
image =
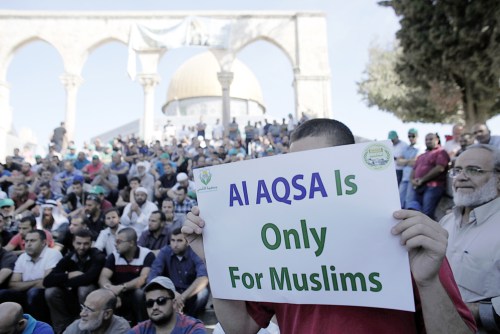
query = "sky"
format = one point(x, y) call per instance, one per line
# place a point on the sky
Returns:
point(108, 98)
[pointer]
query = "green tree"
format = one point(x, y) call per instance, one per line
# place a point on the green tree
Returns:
point(382, 86)
point(450, 46)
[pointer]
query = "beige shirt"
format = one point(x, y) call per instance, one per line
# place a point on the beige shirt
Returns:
point(474, 251)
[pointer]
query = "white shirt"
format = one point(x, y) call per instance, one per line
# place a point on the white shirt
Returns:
point(474, 251)
point(36, 270)
point(138, 222)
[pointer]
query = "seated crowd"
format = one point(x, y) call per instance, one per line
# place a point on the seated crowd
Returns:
point(100, 229)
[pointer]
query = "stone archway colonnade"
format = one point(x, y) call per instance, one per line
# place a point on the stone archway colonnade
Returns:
point(302, 36)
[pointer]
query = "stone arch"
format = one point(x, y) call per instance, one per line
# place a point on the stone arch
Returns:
point(17, 45)
point(271, 41)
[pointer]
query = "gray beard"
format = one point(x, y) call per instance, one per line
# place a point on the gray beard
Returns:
point(482, 195)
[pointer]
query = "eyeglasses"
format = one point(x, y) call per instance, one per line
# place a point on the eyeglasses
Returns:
point(469, 171)
point(85, 308)
point(159, 301)
point(411, 136)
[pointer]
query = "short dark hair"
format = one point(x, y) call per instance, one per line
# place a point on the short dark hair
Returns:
point(177, 231)
point(112, 209)
point(45, 184)
point(41, 233)
point(183, 188)
point(134, 178)
point(29, 218)
point(83, 233)
point(336, 132)
point(130, 233)
point(167, 199)
point(162, 215)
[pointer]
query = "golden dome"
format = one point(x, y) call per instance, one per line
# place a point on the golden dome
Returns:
point(197, 77)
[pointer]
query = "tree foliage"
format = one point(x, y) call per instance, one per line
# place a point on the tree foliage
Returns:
point(383, 87)
point(450, 47)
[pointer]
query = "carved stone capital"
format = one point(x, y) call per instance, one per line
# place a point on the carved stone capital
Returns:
point(148, 81)
point(225, 79)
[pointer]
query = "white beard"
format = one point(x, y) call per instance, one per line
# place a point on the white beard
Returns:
point(482, 195)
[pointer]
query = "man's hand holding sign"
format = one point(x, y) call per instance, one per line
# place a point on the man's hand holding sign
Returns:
point(311, 238)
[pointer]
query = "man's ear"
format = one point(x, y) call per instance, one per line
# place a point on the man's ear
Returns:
point(21, 324)
point(108, 314)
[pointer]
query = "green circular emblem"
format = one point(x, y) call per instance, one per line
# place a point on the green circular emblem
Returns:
point(377, 156)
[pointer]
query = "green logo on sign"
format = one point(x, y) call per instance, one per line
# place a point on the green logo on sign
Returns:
point(205, 177)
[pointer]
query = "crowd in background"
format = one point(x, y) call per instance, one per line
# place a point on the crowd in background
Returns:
point(145, 190)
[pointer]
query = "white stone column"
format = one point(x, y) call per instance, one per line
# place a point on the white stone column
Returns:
point(6, 118)
point(312, 95)
point(225, 79)
point(71, 84)
point(148, 82)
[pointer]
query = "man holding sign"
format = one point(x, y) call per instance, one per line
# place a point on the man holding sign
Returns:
point(437, 300)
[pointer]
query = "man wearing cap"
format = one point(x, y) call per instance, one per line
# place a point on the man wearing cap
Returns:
point(179, 262)
point(97, 316)
point(7, 210)
point(92, 169)
point(182, 180)
point(407, 161)
point(398, 148)
point(101, 192)
point(136, 214)
point(163, 318)
point(146, 179)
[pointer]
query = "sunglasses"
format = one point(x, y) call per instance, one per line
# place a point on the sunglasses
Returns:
point(411, 136)
point(159, 301)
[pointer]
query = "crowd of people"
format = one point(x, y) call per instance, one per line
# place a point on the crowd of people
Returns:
point(91, 238)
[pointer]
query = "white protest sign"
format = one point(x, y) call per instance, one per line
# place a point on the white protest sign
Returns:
point(311, 227)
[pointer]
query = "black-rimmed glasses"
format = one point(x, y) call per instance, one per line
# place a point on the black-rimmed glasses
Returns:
point(469, 171)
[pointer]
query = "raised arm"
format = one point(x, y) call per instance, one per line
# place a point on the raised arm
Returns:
point(426, 242)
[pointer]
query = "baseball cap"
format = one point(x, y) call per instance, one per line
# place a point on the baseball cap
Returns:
point(162, 281)
point(413, 131)
point(95, 156)
point(93, 197)
point(165, 156)
point(182, 177)
point(6, 202)
point(78, 179)
point(392, 135)
point(97, 190)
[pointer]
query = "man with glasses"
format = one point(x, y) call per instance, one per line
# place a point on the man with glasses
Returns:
point(125, 272)
point(97, 315)
point(407, 161)
point(473, 225)
point(160, 293)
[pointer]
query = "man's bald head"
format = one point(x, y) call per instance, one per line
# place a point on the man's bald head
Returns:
point(103, 298)
point(11, 318)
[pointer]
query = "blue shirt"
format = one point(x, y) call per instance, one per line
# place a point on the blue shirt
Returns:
point(182, 272)
point(183, 325)
point(36, 327)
